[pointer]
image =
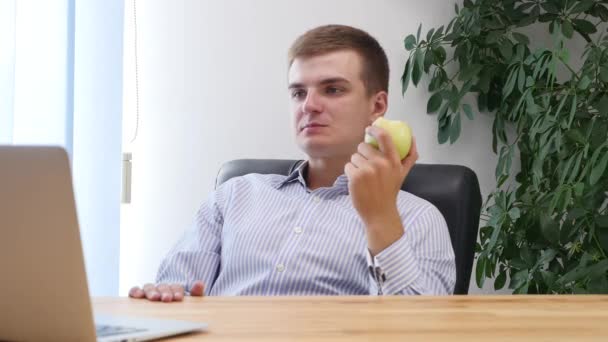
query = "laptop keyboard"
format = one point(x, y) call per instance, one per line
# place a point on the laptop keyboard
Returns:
point(111, 330)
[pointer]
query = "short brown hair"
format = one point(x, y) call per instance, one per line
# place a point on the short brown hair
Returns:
point(330, 38)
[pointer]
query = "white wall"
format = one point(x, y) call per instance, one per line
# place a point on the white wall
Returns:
point(213, 88)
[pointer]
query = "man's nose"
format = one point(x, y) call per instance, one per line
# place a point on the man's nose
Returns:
point(312, 103)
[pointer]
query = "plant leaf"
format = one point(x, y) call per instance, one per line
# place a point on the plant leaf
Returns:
point(437, 33)
point(405, 78)
point(519, 279)
point(549, 278)
point(578, 190)
point(547, 17)
point(572, 109)
point(546, 256)
point(602, 105)
point(506, 49)
point(510, 84)
point(584, 26)
point(582, 271)
point(549, 7)
point(518, 263)
point(601, 11)
point(469, 72)
point(576, 168)
point(485, 79)
point(565, 169)
point(582, 6)
point(434, 103)
point(549, 228)
point(429, 58)
point(499, 283)
point(567, 29)
point(604, 74)
point(598, 170)
point(417, 67)
point(514, 213)
point(522, 38)
point(443, 134)
point(429, 34)
point(598, 284)
point(455, 130)
point(602, 236)
point(584, 82)
point(524, 7)
point(479, 271)
point(521, 79)
point(602, 221)
point(440, 55)
point(409, 42)
point(468, 111)
point(577, 273)
point(439, 78)
point(493, 36)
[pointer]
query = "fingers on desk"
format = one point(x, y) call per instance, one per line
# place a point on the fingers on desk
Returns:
point(160, 292)
point(136, 292)
point(152, 292)
point(178, 292)
point(197, 289)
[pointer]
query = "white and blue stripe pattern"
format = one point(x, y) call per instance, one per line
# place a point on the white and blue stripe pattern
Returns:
point(271, 235)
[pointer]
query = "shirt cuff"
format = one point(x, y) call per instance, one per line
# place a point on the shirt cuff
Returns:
point(393, 269)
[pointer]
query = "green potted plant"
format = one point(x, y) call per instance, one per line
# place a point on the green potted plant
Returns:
point(545, 227)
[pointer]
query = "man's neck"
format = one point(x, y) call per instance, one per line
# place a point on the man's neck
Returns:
point(324, 172)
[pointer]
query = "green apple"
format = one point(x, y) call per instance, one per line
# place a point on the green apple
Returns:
point(400, 132)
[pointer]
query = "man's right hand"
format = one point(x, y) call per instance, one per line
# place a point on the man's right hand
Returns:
point(166, 292)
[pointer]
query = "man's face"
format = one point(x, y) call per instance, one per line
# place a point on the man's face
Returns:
point(330, 104)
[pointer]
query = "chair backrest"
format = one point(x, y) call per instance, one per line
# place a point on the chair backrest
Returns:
point(453, 189)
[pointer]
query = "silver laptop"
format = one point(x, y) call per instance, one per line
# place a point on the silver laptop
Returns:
point(43, 286)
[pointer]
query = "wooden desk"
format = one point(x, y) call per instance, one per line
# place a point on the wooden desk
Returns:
point(458, 318)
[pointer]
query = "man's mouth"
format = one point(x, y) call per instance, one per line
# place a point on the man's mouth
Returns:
point(312, 125)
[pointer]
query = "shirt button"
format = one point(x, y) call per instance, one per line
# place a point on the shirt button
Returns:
point(317, 199)
point(297, 230)
point(280, 268)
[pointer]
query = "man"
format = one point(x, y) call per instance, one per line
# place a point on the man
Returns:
point(339, 224)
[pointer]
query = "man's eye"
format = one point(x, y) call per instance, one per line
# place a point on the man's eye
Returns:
point(298, 94)
point(333, 90)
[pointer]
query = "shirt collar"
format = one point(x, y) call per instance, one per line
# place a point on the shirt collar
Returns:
point(295, 175)
point(340, 184)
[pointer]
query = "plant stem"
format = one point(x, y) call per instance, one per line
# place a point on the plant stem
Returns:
point(448, 61)
point(599, 246)
point(569, 68)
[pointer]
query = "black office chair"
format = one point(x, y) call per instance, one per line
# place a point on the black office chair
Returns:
point(453, 189)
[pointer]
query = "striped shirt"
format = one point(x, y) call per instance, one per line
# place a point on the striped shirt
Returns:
point(271, 235)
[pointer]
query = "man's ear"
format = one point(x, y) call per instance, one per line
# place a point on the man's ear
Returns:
point(379, 105)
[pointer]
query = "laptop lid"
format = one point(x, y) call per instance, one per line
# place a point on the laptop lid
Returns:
point(43, 291)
